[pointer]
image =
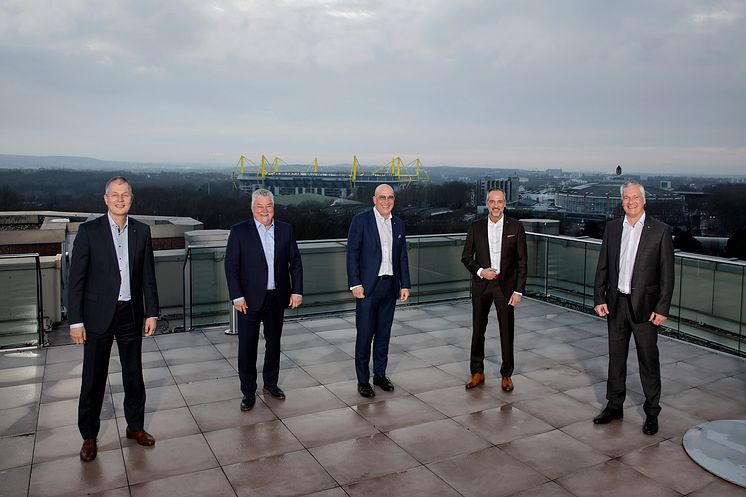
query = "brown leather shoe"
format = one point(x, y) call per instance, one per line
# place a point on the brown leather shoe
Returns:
point(141, 437)
point(507, 384)
point(89, 450)
point(476, 380)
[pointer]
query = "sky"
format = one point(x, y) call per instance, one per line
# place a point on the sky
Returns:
point(657, 86)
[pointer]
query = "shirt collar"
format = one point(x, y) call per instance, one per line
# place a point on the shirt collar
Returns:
point(498, 223)
point(640, 221)
point(114, 225)
point(261, 226)
point(379, 216)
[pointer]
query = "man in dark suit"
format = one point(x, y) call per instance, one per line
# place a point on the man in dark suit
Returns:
point(377, 273)
point(111, 273)
point(265, 275)
point(495, 255)
point(633, 288)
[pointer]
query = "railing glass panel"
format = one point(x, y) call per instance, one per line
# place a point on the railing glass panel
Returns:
point(20, 301)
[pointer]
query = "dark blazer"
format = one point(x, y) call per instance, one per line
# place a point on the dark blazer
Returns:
point(513, 256)
point(652, 275)
point(94, 275)
point(246, 266)
point(364, 253)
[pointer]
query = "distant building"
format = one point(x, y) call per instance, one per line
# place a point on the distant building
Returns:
point(508, 185)
point(604, 198)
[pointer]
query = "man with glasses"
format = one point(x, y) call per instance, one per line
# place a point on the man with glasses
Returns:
point(377, 273)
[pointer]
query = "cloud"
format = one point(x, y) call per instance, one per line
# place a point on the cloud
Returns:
point(152, 80)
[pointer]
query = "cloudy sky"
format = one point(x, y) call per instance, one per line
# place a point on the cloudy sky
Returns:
point(657, 86)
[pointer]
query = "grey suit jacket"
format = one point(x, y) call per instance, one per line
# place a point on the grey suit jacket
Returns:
point(652, 274)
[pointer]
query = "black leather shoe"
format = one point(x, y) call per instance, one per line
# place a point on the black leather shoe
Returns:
point(275, 392)
point(365, 390)
point(651, 425)
point(247, 403)
point(88, 450)
point(384, 383)
point(608, 415)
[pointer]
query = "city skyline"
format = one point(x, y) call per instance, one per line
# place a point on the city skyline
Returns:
point(654, 86)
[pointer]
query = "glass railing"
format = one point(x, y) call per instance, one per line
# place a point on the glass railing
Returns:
point(708, 301)
point(21, 321)
point(325, 287)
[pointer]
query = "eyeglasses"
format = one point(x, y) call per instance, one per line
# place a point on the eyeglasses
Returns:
point(384, 198)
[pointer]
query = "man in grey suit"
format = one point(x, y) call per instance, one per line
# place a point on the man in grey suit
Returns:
point(633, 288)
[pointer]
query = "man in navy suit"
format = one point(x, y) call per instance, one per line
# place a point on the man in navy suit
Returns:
point(112, 288)
point(377, 273)
point(633, 289)
point(265, 275)
point(495, 254)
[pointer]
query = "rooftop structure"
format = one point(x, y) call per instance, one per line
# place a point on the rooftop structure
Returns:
point(603, 198)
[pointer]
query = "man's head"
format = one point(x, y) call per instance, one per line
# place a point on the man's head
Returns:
point(383, 200)
point(118, 196)
point(633, 199)
point(495, 203)
point(263, 206)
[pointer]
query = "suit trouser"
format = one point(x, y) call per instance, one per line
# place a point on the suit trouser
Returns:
point(96, 353)
point(271, 314)
point(481, 305)
point(373, 318)
point(621, 326)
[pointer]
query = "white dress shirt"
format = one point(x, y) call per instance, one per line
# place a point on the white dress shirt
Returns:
point(630, 242)
point(386, 234)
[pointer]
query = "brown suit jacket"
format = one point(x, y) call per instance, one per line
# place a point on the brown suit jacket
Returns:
point(513, 257)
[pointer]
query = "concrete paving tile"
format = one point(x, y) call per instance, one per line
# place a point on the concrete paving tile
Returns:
point(416, 482)
point(473, 474)
point(362, 458)
point(295, 473)
point(503, 424)
point(68, 476)
point(398, 412)
point(166, 458)
point(613, 479)
point(327, 427)
point(247, 442)
point(210, 482)
point(437, 440)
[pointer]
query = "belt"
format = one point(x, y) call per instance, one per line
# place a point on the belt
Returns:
point(625, 295)
point(385, 277)
point(123, 302)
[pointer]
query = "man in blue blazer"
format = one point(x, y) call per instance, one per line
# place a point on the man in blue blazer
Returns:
point(377, 273)
point(633, 290)
point(112, 288)
point(265, 275)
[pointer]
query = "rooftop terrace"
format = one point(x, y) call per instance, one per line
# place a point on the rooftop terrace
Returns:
point(428, 438)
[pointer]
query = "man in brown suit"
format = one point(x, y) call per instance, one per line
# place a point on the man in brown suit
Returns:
point(495, 254)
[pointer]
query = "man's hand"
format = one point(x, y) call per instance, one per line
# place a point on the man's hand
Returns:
point(602, 310)
point(295, 301)
point(241, 306)
point(404, 294)
point(657, 319)
point(515, 299)
point(150, 326)
point(78, 335)
point(358, 292)
point(489, 273)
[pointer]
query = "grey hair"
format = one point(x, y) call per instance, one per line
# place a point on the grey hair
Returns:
point(262, 192)
point(118, 179)
point(631, 183)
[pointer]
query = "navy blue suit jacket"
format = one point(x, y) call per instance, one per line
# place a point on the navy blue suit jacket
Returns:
point(246, 266)
point(94, 275)
point(364, 253)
